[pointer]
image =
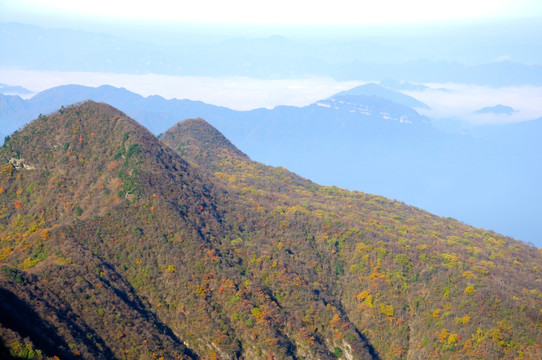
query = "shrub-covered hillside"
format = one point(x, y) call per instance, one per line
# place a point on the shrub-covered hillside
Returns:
point(416, 285)
point(119, 247)
point(114, 244)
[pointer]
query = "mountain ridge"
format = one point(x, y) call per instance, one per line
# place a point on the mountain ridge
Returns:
point(37, 48)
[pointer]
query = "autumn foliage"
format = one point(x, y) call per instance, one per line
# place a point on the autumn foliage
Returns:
point(125, 246)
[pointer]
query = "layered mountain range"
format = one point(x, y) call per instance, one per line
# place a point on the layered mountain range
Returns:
point(369, 138)
point(117, 244)
point(468, 59)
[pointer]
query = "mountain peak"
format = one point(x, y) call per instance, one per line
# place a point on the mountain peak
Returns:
point(497, 109)
point(372, 106)
point(92, 124)
point(101, 156)
point(372, 89)
point(200, 141)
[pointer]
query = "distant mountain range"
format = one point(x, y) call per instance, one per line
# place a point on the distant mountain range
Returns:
point(366, 142)
point(115, 244)
point(34, 48)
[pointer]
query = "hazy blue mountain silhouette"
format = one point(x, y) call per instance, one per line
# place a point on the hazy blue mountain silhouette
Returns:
point(497, 109)
point(372, 89)
point(35, 48)
point(154, 112)
point(14, 90)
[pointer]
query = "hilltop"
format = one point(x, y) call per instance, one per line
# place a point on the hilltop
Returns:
point(203, 142)
point(184, 247)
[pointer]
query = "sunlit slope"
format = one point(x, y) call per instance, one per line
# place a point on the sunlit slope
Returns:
point(416, 285)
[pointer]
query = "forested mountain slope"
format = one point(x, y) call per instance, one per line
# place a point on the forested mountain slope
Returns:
point(416, 285)
point(118, 247)
point(114, 246)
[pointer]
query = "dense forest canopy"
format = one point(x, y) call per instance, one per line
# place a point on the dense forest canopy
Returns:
point(117, 244)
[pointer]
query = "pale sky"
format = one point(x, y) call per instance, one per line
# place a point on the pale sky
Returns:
point(277, 12)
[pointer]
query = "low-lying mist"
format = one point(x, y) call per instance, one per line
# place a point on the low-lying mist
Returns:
point(446, 101)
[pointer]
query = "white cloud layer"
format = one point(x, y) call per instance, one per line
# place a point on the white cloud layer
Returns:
point(239, 93)
point(461, 101)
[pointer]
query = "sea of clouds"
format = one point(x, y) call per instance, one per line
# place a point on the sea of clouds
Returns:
point(447, 101)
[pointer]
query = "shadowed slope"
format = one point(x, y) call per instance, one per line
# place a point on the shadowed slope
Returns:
point(144, 250)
